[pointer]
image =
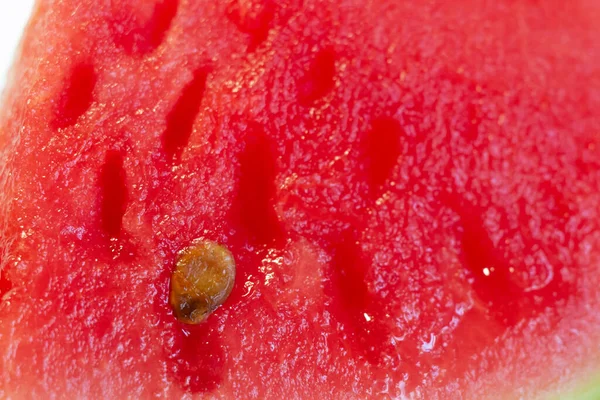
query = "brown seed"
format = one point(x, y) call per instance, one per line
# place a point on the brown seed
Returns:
point(202, 280)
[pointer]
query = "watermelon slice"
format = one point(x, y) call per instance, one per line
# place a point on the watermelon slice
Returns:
point(410, 192)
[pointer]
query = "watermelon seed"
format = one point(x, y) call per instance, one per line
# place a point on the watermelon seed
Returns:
point(201, 282)
point(77, 96)
point(180, 121)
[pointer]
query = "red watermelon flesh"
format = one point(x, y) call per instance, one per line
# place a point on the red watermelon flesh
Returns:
point(410, 191)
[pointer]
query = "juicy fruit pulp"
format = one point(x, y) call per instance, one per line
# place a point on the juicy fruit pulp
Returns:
point(410, 192)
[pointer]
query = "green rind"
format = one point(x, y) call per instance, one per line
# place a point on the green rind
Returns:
point(588, 389)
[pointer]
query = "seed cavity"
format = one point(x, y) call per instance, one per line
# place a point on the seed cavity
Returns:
point(381, 151)
point(513, 278)
point(253, 18)
point(195, 357)
point(77, 96)
point(113, 193)
point(137, 35)
point(319, 79)
point(180, 121)
point(5, 283)
point(254, 209)
point(473, 120)
point(351, 303)
point(201, 282)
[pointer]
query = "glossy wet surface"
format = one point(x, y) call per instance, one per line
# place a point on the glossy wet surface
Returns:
point(409, 193)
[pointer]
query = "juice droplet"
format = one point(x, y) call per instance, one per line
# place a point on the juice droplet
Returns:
point(201, 282)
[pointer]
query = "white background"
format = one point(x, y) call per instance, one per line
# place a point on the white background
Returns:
point(13, 18)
